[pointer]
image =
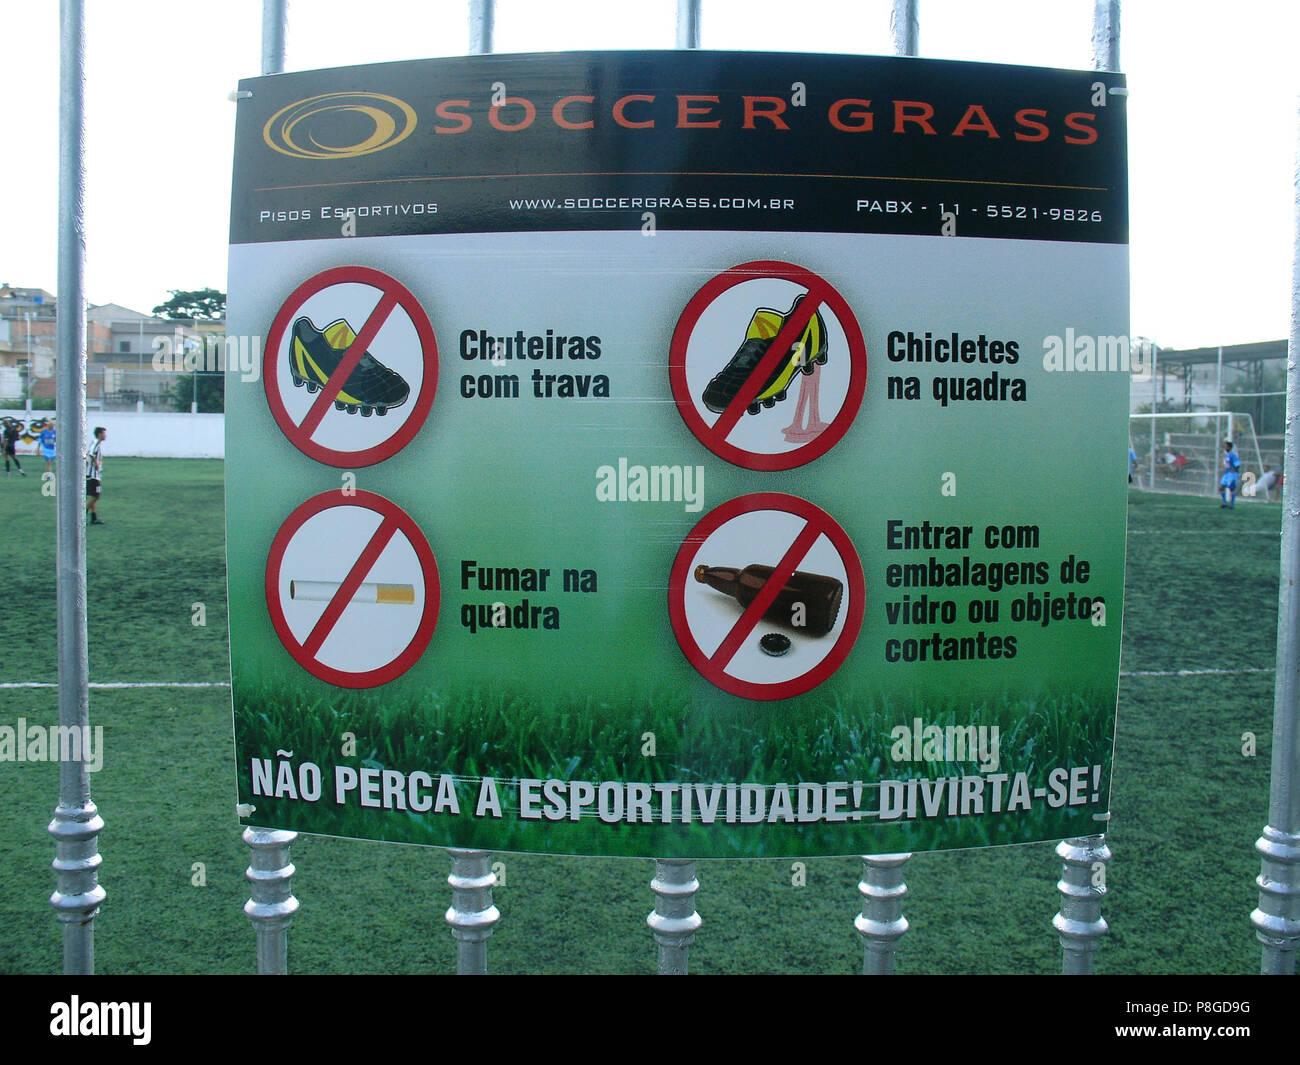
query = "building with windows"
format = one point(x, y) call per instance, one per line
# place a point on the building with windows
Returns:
point(120, 359)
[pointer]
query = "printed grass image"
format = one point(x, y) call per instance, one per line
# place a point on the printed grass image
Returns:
point(474, 736)
point(1186, 809)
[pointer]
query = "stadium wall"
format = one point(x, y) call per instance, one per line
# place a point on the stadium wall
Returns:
point(159, 435)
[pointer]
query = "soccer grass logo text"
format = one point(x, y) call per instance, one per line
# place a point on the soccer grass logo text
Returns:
point(339, 125)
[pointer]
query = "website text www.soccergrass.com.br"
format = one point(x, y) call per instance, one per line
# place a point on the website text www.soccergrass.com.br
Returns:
point(653, 203)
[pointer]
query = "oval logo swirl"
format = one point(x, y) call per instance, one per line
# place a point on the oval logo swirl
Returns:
point(311, 128)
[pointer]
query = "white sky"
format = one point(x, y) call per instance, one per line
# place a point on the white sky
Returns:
point(1212, 122)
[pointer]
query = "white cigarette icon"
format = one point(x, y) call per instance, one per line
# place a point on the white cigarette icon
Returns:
point(324, 591)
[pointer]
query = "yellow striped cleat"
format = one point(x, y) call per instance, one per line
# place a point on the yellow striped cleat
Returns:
point(314, 355)
point(804, 355)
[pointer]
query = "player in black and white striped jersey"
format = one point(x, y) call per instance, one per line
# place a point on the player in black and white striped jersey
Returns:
point(95, 474)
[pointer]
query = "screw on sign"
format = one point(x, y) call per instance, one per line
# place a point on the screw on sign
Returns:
point(766, 596)
point(352, 588)
point(763, 337)
point(351, 367)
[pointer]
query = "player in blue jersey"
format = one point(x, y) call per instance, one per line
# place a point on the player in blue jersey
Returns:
point(1228, 482)
point(45, 443)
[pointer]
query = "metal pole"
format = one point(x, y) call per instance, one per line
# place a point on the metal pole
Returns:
point(1105, 35)
point(275, 16)
point(1219, 387)
point(76, 824)
point(688, 23)
point(28, 316)
point(1155, 358)
point(1277, 920)
point(472, 915)
point(1083, 880)
point(1082, 886)
point(482, 21)
point(881, 923)
point(272, 906)
point(674, 921)
point(905, 26)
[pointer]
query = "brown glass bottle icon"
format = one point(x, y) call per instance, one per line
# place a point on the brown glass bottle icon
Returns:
point(807, 602)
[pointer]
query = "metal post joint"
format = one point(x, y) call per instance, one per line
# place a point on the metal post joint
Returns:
point(1079, 922)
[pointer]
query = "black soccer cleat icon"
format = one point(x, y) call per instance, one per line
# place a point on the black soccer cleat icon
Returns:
point(314, 354)
point(804, 354)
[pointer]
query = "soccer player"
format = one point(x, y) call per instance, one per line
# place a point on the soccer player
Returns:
point(45, 442)
point(11, 448)
point(1268, 480)
point(1228, 482)
point(95, 473)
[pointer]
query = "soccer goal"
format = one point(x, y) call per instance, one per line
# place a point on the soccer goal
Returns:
point(1184, 452)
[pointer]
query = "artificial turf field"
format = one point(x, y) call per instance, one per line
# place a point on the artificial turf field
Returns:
point(1187, 804)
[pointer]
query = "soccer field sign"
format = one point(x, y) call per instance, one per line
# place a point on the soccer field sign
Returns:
point(675, 454)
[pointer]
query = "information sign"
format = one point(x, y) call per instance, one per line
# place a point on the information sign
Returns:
point(763, 415)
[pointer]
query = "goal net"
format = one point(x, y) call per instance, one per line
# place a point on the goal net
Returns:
point(1184, 453)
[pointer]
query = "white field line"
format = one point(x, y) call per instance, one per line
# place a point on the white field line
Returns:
point(1194, 672)
point(1203, 532)
point(125, 684)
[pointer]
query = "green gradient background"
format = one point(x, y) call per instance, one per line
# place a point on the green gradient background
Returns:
point(512, 483)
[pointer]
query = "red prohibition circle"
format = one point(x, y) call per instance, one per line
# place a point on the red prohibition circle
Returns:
point(389, 287)
point(817, 519)
point(432, 588)
point(819, 290)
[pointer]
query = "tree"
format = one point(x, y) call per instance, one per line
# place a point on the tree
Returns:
point(210, 392)
point(204, 303)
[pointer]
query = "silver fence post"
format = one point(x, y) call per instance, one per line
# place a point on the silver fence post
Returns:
point(906, 27)
point(76, 824)
point(272, 905)
point(1082, 886)
point(1105, 35)
point(674, 921)
point(688, 23)
point(482, 20)
point(274, 19)
point(472, 915)
point(1079, 922)
point(1277, 920)
point(881, 922)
